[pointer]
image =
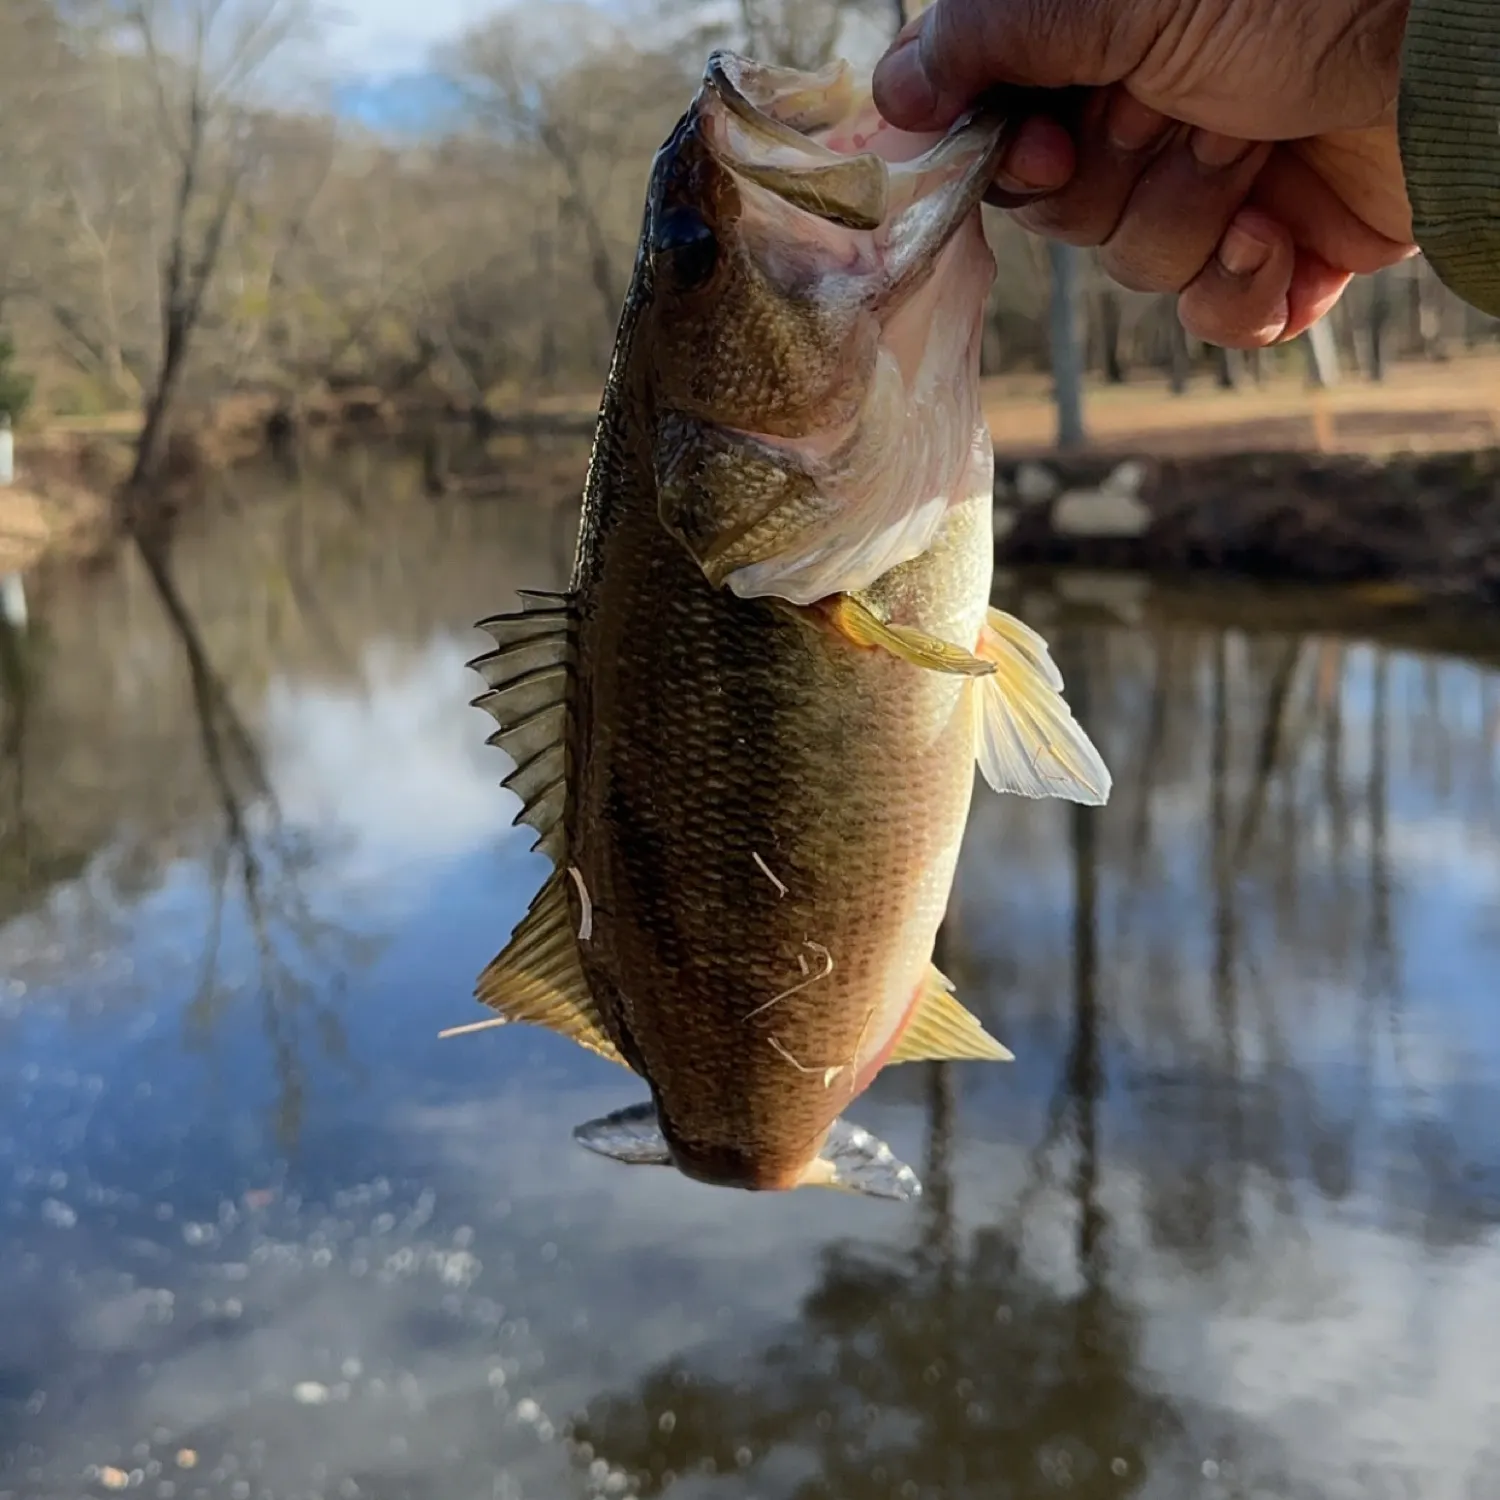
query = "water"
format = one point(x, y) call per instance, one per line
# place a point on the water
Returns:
point(1227, 1228)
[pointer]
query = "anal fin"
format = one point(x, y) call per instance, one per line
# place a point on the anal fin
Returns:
point(1028, 741)
point(941, 1029)
point(857, 622)
point(538, 979)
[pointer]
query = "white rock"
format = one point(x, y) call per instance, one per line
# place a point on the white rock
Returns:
point(1125, 479)
point(1035, 483)
point(1094, 513)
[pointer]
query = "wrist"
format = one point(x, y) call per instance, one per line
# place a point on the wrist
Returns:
point(1448, 129)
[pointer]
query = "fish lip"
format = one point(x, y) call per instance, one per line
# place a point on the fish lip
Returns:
point(725, 76)
point(973, 144)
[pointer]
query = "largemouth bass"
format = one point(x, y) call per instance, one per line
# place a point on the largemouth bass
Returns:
point(746, 734)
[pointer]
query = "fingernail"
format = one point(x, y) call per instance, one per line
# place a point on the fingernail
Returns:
point(1001, 196)
point(1016, 185)
point(1215, 152)
point(901, 82)
point(1131, 125)
point(1241, 253)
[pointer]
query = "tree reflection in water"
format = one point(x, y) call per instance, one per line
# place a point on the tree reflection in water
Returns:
point(259, 864)
point(1227, 971)
point(950, 1369)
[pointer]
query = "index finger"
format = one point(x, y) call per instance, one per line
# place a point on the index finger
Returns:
point(956, 49)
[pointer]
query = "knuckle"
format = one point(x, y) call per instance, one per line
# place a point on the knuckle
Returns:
point(1224, 320)
point(1146, 267)
point(1068, 218)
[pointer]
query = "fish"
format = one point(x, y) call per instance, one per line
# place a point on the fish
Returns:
point(746, 733)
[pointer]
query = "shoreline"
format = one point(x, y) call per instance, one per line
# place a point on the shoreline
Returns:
point(1427, 523)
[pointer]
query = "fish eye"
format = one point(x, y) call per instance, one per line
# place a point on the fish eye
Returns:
point(689, 245)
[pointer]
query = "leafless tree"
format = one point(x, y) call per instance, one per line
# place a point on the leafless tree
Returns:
point(576, 91)
point(206, 59)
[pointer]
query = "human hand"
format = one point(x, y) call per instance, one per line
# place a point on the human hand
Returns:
point(1239, 153)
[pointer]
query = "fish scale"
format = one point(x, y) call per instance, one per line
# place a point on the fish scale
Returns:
point(775, 667)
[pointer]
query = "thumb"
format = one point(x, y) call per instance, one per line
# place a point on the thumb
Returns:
point(955, 49)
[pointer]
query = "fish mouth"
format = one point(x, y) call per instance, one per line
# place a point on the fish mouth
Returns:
point(816, 142)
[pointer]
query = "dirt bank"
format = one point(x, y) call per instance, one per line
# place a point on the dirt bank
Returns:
point(59, 505)
point(1398, 483)
point(1430, 522)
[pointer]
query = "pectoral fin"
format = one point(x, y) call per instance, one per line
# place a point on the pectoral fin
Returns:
point(858, 622)
point(854, 1161)
point(629, 1135)
point(1028, 740)
point(941, 1030)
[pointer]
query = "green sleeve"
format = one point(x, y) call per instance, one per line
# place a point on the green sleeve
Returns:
point(1449, 124)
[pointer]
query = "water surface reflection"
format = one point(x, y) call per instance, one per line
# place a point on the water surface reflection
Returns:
point(1227, 1227)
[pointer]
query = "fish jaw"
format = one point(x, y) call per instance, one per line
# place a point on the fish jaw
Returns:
point(815, 384)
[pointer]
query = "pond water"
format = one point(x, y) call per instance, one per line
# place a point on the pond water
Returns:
point(1228, 1227)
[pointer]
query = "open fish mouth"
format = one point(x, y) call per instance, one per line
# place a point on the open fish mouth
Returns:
point(852, 275)
point(816, 141)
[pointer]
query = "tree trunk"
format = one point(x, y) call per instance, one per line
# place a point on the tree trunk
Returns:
point(1179, 361)
point(1067, 350)
point(1322, 354)
point(151, 445)
point(1422, 312)
point(1110, 321)
point(1380, 312)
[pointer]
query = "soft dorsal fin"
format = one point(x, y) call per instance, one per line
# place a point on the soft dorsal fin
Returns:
point(1027, 740)
point(941, 1029)
point(530, 677)
point(538, 979)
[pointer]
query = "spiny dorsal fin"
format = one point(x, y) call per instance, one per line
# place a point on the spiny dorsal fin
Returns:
point(538, 980)
point(1028, 741)
point(530, 676)
point(940, 1029)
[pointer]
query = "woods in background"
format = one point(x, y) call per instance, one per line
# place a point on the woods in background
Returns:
point(184, 215)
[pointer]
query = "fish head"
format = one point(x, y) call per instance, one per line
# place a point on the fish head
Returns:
point(798, 251)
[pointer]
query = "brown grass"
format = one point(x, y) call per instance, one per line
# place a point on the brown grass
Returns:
point(60, 502)
point(1423, 407)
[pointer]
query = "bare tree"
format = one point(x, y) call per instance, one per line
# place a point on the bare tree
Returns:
point(797, 33)
point(205, 60)
point(574, 89)
point(174, 222)
point(1067, 344)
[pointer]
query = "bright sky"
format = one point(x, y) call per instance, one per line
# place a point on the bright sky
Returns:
point(376, 38)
